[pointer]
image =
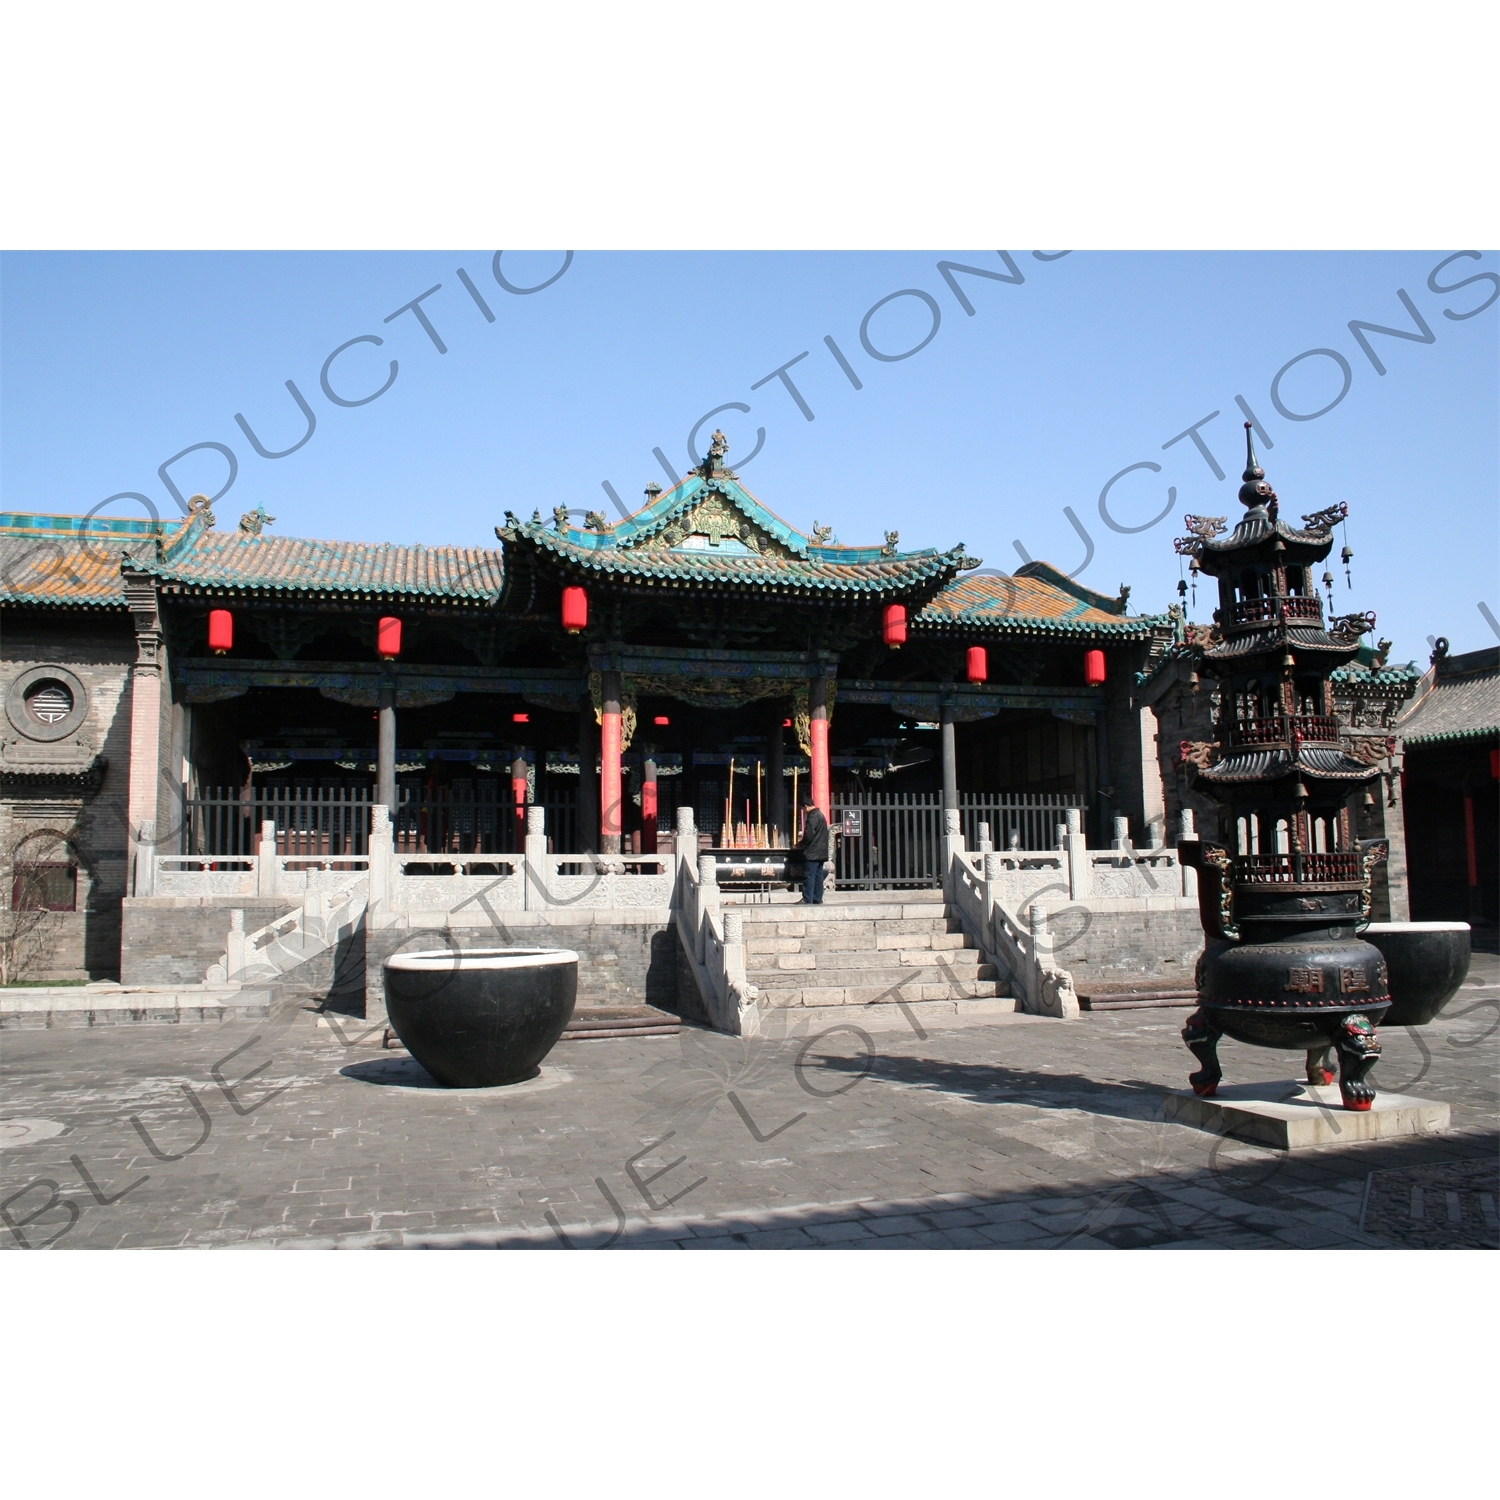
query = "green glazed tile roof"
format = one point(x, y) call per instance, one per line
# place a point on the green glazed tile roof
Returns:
point(73, 562)
point(748, 546)
point(887, 575)
point(1357, 675)
point(233, 561)
point(1037, 600)
point(1459, 708)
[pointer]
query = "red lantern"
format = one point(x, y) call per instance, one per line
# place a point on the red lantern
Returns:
point(1093, 667)
point(575, 609)
point(893, 625)
point(220, 631)
point(978, 664)
point(388, 637)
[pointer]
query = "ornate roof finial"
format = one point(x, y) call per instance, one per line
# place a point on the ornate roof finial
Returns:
point(1253, 469)
point(1254, 491)
point(252, 522)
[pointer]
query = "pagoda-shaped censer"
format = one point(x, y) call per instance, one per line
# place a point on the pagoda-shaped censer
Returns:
point(1286, 892)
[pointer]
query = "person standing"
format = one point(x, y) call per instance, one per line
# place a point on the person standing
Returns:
point(813, 846)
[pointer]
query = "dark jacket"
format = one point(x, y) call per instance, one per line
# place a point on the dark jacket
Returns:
point(813, 845)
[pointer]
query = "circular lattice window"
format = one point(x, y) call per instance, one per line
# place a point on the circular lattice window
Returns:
point(47, 703)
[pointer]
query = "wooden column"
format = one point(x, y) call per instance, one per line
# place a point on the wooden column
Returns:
point(648, 803)
point(610, 809)
point(518, 795)
point(588, 784)
point(1471, 854)
point(145, 726)
point(385, 751)
point(950, 759)
point(817, 709)
point(776, 791)
point(1104, 790)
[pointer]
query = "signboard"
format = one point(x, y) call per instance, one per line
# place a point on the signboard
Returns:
point(853, 825)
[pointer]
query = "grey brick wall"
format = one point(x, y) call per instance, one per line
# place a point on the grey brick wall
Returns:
point(173, 939)
point(625, 963)
point(1114, 945)
point(98, 648)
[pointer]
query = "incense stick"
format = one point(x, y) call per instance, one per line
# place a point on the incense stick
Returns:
point(729, 809)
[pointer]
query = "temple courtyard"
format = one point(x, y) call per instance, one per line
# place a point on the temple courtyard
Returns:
point(304, 1130)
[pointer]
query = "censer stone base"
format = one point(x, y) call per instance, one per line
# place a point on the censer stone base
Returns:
point(1292, 1116)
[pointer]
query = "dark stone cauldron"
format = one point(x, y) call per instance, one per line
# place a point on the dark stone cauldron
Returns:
point(480, 1017)
point(741, 868)
point(1427, 961)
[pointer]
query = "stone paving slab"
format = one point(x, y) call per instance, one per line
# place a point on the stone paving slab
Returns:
point(44, 1007)
point(1016, 1132)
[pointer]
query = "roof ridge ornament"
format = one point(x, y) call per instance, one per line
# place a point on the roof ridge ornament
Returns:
point(713, 462)
point(1255, 491)
point(1326, 519)
point(253, 521)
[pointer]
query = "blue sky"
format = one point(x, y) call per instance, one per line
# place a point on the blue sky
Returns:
point(114, 362)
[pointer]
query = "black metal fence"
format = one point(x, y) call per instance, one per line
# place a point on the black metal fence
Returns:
point(477, 817)
point(1033, 817)
point(890, 839)
point(459, 817)
point(895, 839)
point(310, 820)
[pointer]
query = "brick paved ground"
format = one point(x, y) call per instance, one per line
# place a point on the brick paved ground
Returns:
point(1017, 1132)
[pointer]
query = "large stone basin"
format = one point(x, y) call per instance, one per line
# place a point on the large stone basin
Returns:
point(1427, 962)
point(484, 1016)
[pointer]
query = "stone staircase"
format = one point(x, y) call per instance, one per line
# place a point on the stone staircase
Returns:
point(315, 951)
point(868, 948)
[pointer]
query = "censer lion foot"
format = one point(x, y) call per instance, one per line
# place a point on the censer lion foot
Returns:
point(1202, 1039)
point(1359, 1050)
point(1320, 1065)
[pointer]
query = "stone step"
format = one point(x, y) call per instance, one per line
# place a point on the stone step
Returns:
point(602, 1022)
point(782, 979)
point(51, 1008)
point(907, 990)
point(922, 1014)
point(880, 941)
point(1146, 997)
point(934, 960)
point(852, 931)
point(904, 910)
